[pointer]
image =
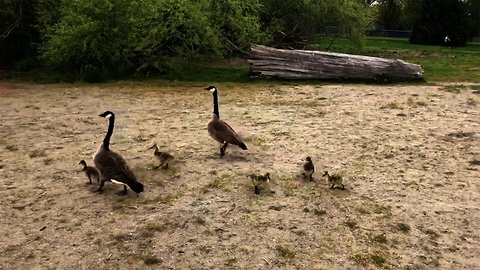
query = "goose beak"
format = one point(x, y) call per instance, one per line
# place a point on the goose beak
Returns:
point(152, 147)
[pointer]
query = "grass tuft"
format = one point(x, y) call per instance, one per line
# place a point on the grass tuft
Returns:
point(285, 252)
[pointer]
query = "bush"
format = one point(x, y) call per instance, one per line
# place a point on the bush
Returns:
point(438, 19)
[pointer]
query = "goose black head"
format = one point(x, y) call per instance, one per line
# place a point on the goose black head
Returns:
point(137, 187)
point(325, 174)
point(106, 114)
point(308, 159)
point(83, 162)
point(211, 88)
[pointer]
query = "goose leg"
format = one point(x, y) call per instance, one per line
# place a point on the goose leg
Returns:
point(343, 187)
point(166, 166)
point(257, 190)
point(123, 192)
point(311, 177)
point(102, 183)
point(89, 179)
point(223, 149)
point(332, 186)
point(158, 166)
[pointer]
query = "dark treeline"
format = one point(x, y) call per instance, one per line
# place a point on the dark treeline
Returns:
point(122, 37)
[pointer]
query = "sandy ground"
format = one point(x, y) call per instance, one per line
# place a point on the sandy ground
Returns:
point(409, 155)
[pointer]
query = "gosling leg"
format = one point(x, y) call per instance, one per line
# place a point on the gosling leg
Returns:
point(102, 183)
point(90, 179)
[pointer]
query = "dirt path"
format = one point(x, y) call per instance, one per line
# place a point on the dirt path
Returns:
point(410, 157)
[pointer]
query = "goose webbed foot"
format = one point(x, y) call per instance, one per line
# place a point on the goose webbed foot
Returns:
point(123, 192)
point(343, 187)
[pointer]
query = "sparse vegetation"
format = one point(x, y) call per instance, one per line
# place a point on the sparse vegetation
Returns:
point(151, 260)
point(285, 252)
point(37, 153)
point(415, 103)
point(474, 162)
point(376, 257)
point(403, 227)
point(392, 106)
point(11, 147)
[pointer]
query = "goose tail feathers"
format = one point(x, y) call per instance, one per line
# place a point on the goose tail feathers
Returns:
point(243, 146)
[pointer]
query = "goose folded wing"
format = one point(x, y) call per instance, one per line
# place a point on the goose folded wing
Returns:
point(226, 133)
point(115, 167)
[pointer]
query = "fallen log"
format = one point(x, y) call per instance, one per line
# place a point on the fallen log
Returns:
point(302, 64)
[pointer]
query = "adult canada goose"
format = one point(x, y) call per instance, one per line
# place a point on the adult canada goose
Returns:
point(164, 157)
point(221, 131)
point(334, 179)
point(90, 171)
point(257, 179)
point(111, 165)
point(308, 168)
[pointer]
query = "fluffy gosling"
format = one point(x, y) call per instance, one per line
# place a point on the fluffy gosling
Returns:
point(334, 179)
point(258, 180)
point(164, 157)
point(90, 171)
point(308, 168)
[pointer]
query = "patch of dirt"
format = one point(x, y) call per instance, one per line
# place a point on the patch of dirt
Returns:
point(411, 200)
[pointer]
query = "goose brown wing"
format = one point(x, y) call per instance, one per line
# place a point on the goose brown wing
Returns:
point(112, 166)
point(222, 132)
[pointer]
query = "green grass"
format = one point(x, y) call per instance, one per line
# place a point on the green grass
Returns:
point(439, 63)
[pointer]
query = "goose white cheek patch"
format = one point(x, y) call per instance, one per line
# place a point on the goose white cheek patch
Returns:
point(213, 90)
point(108, 115)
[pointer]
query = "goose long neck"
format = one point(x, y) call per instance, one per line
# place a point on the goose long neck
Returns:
point(215, 105)
point(106, 140)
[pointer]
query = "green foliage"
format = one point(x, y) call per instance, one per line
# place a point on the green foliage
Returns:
point(438, 19)
point(18, 36)
point(91, 36)
point(238, 22)
point(108, 37)
point(390, 15)
point(295, 23)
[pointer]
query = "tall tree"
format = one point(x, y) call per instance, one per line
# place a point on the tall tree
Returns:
point(438, 19)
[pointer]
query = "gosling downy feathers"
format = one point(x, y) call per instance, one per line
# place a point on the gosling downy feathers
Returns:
point(334, 180)
point(221, 131)
point(111, 166)
point(256, 179)
point(308, 168)
point(164, 157)
point(90, 171)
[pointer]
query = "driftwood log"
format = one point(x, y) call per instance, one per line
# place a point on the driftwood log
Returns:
point(301, 64)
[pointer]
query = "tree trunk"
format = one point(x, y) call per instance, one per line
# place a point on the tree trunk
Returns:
point(301, 64)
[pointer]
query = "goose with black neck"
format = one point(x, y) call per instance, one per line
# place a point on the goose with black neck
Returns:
point(111, 165)
point(219, 130)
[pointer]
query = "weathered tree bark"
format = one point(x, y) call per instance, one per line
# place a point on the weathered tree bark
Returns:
point(301, 64)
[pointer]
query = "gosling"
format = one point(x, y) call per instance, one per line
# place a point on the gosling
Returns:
point(334, 179)
point(256, 179)
point(308, 168)
point(90, 171)
point(164, 157)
